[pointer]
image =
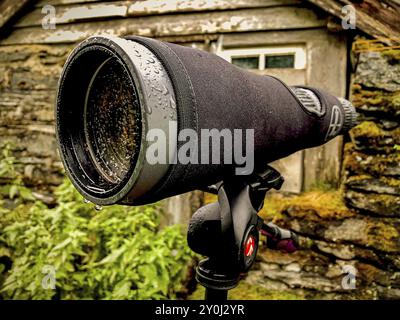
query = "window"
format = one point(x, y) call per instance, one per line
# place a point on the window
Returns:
point(246, 62)
point(266, 58)
point(281, 61)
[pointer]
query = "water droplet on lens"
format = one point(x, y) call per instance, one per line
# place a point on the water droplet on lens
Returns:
point(98, 207)
point(172, 103)
point(165, 90)
point(86, 201)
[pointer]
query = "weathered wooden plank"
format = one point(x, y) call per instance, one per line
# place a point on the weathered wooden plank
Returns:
point(81, 12)
point(104, 10)
point(42, 3)
point(204, 38)
point(375, 18)
point(274, 18)
point(274, 37)
point(8, 8)
point(161, 6)
point(163, 3)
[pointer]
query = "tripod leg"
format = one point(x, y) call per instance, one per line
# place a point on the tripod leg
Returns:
point(216, 295)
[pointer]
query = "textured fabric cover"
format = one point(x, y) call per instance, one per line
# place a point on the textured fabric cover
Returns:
point(212, 93)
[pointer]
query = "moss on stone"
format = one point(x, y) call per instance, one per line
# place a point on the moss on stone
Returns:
point(393, 182)
point(377, 204)
point(359, 178)
point(387, 200)
point(393, 55)
point(324, 204)
point(245, 291)
point(367, 129)
point(376, 100)
point(313, 205)
point(395, 99)
point(383, 235)
point(378, 184)
point(273, 207)
point(357, 163)
point(369, 136)
point(317, 204)
point(350, 161)
point(380, 164)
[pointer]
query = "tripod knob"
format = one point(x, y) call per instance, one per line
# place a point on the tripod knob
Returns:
point(279, 238)
point(249, 248)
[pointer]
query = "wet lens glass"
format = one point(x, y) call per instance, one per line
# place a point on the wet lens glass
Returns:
point(112, 120)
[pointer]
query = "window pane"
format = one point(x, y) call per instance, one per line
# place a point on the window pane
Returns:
point(246, 62)
point(283, 61)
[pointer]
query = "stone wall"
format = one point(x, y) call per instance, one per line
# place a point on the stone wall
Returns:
point(372, 163)
point(28, 81)
point(355, 229)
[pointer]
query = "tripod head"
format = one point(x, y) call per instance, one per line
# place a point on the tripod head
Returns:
point(227, 231)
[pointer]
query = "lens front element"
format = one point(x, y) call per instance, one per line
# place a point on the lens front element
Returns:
point(111, 118)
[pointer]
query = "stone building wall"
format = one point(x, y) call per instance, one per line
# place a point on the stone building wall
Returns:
point(372, 164)
point(28, 82)
point(355, 229)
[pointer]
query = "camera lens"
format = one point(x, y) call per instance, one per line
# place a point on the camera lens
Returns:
point(111, 93)
point(111, 120)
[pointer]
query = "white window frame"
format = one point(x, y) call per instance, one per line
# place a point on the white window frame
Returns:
point(298, 52)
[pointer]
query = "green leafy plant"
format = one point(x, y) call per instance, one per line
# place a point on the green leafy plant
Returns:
point(12, 185)
point(116, 253)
